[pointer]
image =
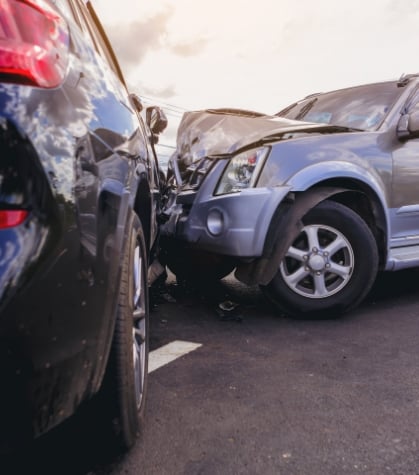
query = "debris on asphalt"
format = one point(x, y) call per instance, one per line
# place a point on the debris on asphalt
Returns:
point(227, 311)
point(228, 306)
point(167, 297)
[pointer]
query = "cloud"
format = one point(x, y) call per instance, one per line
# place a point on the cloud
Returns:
point(133, 41)
point(164, 93)
point(200, 55)
point(407, 7)
point(191, 48)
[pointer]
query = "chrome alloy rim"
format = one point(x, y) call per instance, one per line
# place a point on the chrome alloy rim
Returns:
point(139, 327)
point(319, 263)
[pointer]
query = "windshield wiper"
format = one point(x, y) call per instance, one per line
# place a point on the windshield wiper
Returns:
point(304, 110)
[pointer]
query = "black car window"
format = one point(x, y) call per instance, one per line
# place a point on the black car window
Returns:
point(65, 7)
point(80, 15)
point(88, 26)
point(98, 35)
point(362, 107)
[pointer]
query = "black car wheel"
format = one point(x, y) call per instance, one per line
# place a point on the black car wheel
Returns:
point(330, 266)
point(125, 386)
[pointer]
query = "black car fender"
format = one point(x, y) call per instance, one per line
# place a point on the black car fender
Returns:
point(122, 203)
point(285, 226)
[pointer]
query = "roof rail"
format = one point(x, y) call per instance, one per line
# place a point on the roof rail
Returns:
point(405, 78)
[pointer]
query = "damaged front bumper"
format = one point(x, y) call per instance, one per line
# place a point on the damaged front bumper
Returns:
point(233, 224)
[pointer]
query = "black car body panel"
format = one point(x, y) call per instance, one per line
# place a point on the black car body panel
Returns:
point(76, 158)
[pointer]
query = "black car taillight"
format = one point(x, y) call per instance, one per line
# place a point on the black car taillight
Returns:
point(11, 218)
point(34, 43)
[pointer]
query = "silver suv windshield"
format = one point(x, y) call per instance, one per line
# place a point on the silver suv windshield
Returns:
point(361, 107)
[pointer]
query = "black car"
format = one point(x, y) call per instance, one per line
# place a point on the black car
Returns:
point(79, 197)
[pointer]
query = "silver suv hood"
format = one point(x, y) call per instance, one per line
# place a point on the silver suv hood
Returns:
point(216, 132)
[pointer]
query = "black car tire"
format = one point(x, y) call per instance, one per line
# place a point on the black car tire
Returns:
point(329, 268)
point(123, 395)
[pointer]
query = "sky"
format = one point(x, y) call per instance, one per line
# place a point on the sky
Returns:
point(258, 55)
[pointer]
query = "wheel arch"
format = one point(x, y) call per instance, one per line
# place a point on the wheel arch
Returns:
point(113, 206)
point(354, 194)
point(142, 206)
point(116, 205)
point(364, 201)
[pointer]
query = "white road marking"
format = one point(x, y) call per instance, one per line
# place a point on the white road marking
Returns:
point(170, 352)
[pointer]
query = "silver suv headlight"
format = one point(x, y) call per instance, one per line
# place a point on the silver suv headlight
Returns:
point(242, 171)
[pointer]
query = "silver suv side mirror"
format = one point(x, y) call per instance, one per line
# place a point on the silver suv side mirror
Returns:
point(408, 126)
point(414, 123)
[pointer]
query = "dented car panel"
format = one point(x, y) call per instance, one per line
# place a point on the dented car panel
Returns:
point(249, 186)
point(217, 132)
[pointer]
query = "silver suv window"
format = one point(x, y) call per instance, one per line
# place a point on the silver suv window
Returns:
point(362, 107)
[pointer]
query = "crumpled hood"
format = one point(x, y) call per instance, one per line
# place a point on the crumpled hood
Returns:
point(222, 131)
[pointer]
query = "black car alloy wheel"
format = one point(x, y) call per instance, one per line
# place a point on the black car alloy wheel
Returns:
point(139, 330)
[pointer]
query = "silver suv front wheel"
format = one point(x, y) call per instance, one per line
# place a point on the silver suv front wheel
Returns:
point(319, 263)
point(330, 266)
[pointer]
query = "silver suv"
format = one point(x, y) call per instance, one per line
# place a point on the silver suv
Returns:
point(309, 203)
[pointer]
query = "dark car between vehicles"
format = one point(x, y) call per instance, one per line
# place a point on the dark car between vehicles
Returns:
point(309, 203)
point(79, 193)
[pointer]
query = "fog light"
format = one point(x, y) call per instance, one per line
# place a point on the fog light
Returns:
point(215, 222)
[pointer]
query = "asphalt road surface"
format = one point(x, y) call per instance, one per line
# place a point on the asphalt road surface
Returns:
point(263, 394)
